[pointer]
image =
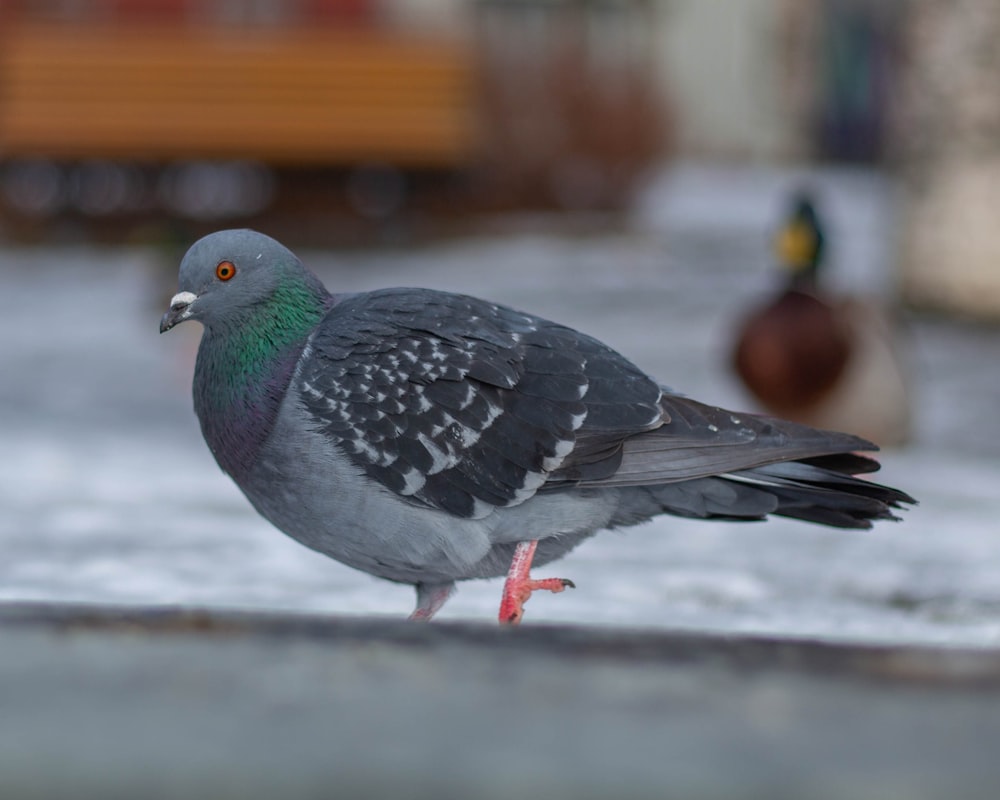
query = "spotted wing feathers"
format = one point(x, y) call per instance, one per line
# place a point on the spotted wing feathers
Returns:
point(463, 405)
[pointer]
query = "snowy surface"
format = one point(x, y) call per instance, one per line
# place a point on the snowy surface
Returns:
point(107, 492)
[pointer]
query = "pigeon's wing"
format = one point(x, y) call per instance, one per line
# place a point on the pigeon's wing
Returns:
point(705, 461)
point(466, 406)
point(696, 440)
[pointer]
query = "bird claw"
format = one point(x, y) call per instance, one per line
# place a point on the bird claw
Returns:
point(516, 592)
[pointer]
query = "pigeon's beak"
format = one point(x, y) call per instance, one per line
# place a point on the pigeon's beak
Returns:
point(180, 310)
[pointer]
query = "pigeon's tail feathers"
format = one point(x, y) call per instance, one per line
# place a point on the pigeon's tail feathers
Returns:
point(826, 491)
point(822, 490)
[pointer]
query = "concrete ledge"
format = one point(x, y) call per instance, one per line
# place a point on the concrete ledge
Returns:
point(960, 667)
point(119, 702)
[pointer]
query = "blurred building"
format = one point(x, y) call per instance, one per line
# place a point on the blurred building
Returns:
point(781, 80)
point(948, 153)
point(121, 109)
point(545, 102)
point(114, 112)
point(229, 109)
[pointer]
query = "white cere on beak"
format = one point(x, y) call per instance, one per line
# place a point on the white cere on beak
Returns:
point(182, 300)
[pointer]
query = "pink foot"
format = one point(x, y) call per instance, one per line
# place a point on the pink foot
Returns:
point(430, 598)
point(519, 584)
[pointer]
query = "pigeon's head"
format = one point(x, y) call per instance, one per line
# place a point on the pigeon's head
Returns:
point(227, 274)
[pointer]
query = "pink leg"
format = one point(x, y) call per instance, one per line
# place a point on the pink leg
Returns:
point(430, 598)
point(519, 584)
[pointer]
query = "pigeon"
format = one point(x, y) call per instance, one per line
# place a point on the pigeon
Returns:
point(427, 437)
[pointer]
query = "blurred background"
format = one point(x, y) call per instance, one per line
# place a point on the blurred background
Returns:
point(783, 205)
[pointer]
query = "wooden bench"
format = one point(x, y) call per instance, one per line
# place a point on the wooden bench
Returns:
point(284, 97)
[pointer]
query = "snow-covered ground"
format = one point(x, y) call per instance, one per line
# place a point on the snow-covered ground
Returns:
point(108, 494)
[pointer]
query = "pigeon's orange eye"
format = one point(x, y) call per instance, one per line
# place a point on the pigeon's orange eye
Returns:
point(225, 270)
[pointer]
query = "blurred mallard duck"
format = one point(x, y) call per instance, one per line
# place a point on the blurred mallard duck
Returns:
point(820, 359)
